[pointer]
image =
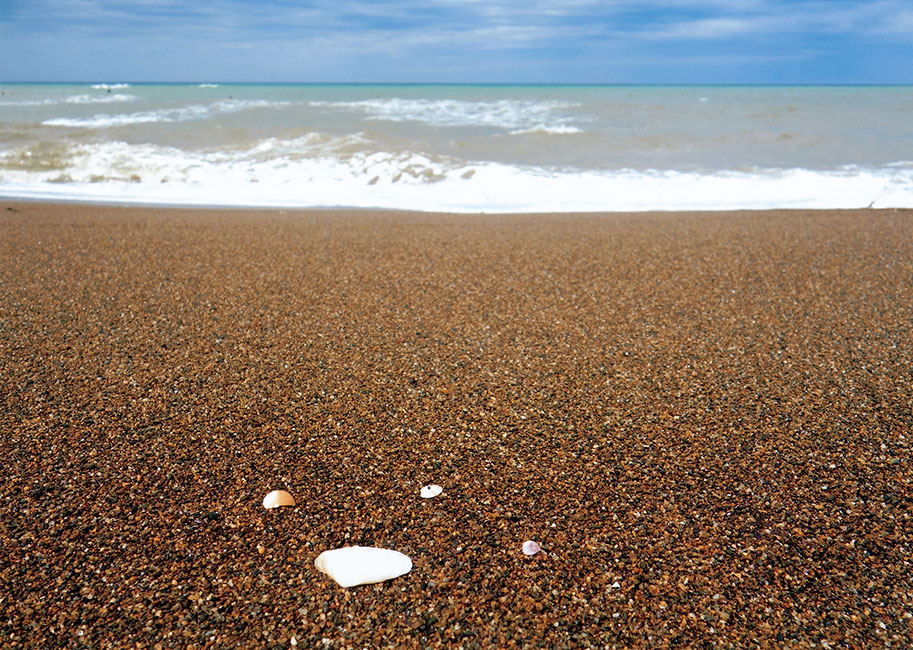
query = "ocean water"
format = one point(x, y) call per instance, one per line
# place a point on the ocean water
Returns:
point(463, 148)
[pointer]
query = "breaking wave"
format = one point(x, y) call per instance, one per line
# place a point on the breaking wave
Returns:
point(323, 170)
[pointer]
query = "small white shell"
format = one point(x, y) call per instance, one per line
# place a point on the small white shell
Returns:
point(431, 491)
point(362, 565)
point(530, 547)
point(278, 498)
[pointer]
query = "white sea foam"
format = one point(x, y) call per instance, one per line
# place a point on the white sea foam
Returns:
point(208, 86)
point(177, 114)
point(504, 114)
point(110, 86)
point(320, 170)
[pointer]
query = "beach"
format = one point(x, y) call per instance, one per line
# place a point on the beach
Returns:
point(703, 418)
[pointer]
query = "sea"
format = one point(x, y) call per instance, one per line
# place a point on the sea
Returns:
point(459, 148)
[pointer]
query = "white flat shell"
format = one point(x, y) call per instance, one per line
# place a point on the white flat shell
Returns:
point(530, 547)
point(278, 498)
point(362, 565)
point(431, 491)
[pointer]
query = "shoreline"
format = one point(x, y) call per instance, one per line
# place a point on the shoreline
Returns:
point(17, 202)
point(703, 418)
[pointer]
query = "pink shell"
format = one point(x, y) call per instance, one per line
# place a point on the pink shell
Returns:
point(530, 547)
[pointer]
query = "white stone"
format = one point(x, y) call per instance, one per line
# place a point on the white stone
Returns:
point(362, 565)
point(431, 491)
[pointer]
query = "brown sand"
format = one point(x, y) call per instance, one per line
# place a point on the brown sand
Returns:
point(704, 419)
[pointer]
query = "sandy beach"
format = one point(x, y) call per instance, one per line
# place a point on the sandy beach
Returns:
point(703, 418)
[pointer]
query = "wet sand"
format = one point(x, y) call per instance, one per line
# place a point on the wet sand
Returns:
point(703, 418)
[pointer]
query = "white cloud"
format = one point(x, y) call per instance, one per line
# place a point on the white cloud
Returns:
point(895, 24)
point(707, 28)
point(741, 18)
point(591, 35)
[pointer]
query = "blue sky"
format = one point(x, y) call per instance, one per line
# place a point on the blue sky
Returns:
point(570, 41)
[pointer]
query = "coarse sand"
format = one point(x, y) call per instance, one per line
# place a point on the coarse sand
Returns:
point(704, 419)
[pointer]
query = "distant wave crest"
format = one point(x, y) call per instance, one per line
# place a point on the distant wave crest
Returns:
point(560, 129)
point(99, 99)
point(72, 99)
point(509, 114)
point(178, 114)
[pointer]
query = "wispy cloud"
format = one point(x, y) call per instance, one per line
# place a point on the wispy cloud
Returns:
point(669, 19)
point(706, 28)
point(720, 19)
point(591, 37)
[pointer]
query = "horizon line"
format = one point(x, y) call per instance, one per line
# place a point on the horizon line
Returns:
point(465, 83)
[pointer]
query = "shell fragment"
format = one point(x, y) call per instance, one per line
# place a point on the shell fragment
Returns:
point(278, 498)
point(530, 547)
point(363, 565)
point(431, 491)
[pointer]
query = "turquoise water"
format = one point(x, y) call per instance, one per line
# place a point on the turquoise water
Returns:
point(460, 147)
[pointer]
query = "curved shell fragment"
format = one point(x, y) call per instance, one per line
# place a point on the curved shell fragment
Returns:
point(362, 565)
point(431, 491)
point(278, 498)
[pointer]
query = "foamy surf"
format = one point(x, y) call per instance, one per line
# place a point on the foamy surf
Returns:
point(320, 170)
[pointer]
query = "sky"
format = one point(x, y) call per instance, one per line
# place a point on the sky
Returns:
point(461, 41)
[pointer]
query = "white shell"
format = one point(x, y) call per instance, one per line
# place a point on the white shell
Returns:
point(530, 547)
point(278, 498)
point(362, 565)
point(431, 491)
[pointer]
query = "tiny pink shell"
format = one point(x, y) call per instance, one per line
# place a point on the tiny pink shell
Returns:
point(530, 547)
